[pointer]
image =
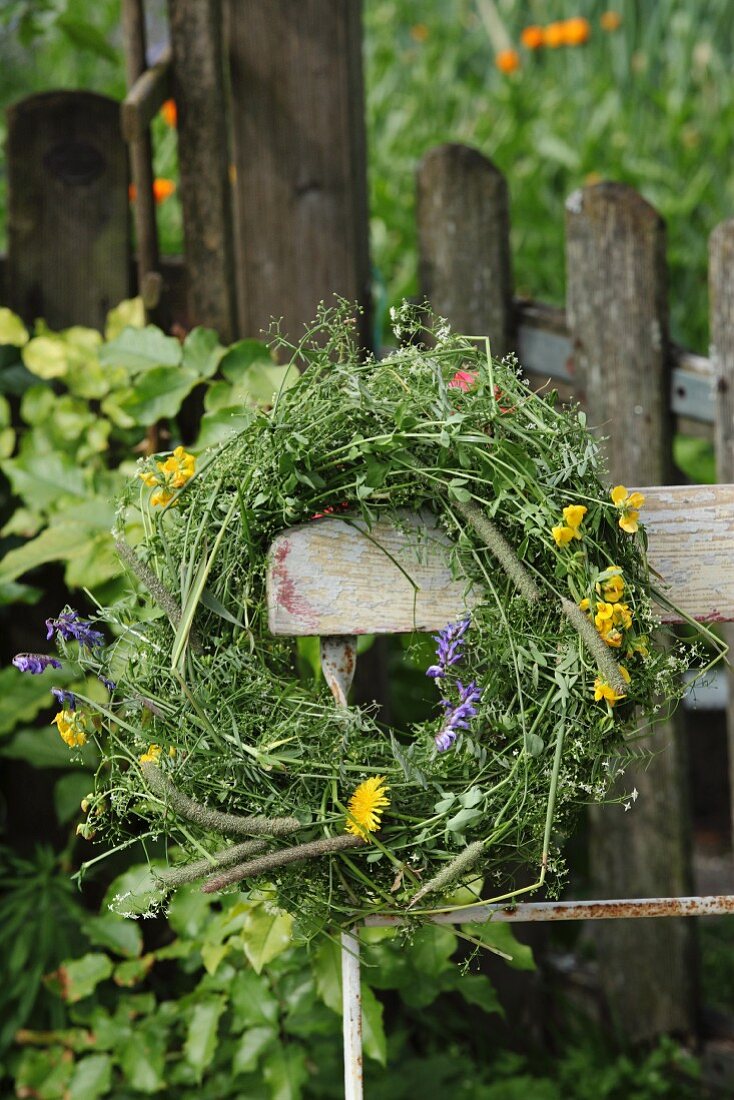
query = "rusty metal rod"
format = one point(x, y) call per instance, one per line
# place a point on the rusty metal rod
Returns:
point(621, 909)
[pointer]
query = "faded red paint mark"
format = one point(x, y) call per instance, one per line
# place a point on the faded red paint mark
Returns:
point(287, 595)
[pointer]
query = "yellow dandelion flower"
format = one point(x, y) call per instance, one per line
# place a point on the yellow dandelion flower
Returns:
point(366, 806)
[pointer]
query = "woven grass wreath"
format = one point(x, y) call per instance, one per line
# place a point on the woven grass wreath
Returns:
point(212, 740)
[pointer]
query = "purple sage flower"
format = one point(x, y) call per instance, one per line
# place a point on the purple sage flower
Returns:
point(448, 650)
point(457, 715)
point(65, 699)
point(35, 663)
point(71, 628)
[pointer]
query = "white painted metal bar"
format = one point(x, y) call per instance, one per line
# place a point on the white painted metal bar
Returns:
point(612, 909)
point(352, 1025)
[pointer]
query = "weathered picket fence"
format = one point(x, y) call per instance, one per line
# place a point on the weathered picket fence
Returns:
point(286, 225)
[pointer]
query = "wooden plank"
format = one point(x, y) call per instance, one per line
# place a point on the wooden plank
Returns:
point(464, 243)
point(145, 98)
point(198, 88)
point(68, 210)
point(299, 152)
point(330, 577)
point(617, 318)
point(721, 297)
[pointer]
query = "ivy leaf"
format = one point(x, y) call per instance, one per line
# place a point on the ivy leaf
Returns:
point(202, 352)
point(201, 1039)
point(12, 329)
point(141, 349)
point(375, 1042)
point(285, 1071)
point(265, 935)
point(253, 1004)
point(157, 394)
point(477, 990)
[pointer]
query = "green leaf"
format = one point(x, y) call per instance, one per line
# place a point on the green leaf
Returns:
point(252, 376)
point(141, 349)
point(133, 971)
point(45, 480)
point(58, 543)
point(250, 1048)
point(133, 893)
point(216, 427)
point(86, 36)
point(77, 978)
point(265, 935)
point(158, 394)
point(375, 1043)
point(43, 748)
point(242, 355)
point(43, 1073)
point(253, 1004)
point(201, 1039)
point(327, 972)
point(37, 404)
point(68, 793)
point(285, 1071)
point(142, 1056)
point(92, 1078)
point(202, 352)
point(117, 934)
point(476, 989)
point(12, 329)
point(46, 356)
point(130, 313)
point(23, 696)
point(189, 912)
point(500, 935)
point(534, 745)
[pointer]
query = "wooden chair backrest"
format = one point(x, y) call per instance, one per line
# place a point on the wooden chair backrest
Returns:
point(333, 577)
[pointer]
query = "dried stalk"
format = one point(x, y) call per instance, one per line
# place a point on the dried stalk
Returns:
point(173, 877)
point(215, 820)
point(269, 862)
point(156, 588)
point(596, 646)
point(500, 547)
point(453, 870)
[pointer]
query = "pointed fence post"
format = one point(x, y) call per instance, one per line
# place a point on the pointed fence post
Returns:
point(721, 297)
point(617, 316)
point(465, 270)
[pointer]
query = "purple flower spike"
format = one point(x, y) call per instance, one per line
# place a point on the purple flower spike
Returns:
point(35, 663)
point(71, 628)
point(458, 716)
point(448, 650)
point(65, 698)
point(109, 684)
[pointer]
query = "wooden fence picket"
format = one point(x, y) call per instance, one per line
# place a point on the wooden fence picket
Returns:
point(464, 266)
point(721, 306)
point(68, 210)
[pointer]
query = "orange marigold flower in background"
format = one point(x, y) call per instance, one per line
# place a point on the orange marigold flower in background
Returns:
point(162, 190)
point(576, 31)
point(170, 113)
point(419, 32)
point(532, 37)
point(610, 20)
point(554, 35)
point(507, 61)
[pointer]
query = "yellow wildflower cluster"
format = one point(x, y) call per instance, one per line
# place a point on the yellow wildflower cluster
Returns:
point(72, 727)
point(603, 690)
point(573, 516)
point(629, 505)
point(169, 476)
point(153, 754)
point(366, 806)
point(610, 615)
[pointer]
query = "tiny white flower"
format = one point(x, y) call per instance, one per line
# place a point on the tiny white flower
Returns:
point(627, 806)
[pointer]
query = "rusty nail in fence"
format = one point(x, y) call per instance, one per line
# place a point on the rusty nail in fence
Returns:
point(579, 910)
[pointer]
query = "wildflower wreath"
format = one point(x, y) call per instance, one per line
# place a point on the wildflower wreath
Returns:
point(208, 732)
